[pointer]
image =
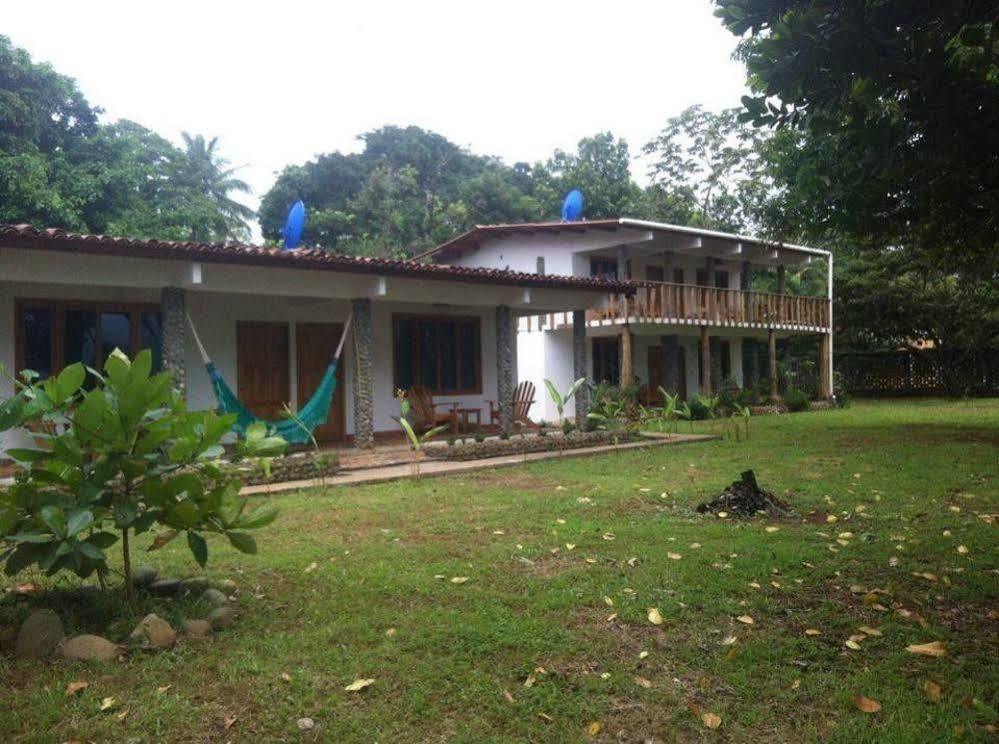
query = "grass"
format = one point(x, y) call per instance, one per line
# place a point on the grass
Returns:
point(895, 475)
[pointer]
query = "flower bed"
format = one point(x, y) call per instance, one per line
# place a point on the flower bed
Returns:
point(517, 445)
point(297, 466)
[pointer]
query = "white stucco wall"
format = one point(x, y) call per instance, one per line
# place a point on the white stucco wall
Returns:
point(215, 315)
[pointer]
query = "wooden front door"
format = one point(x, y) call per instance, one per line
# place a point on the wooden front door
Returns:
point(315, 345)
point(655, 370)
point(262, 378)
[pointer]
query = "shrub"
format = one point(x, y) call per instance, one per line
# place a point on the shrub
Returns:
point(698, 408)
point(479, 435)
point(796, 400)
point(130, 456)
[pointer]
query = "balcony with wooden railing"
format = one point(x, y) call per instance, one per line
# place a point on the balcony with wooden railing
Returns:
point(658, 302)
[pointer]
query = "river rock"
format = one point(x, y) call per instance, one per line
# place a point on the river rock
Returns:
point(144, 576)
point(89, 648)
point(154, 632)
point(195, 584)
point(198, 628)
point(228, 586)
point(8, 637)
point(164, 586)
point(39, 636)
point(215, 597)
point(222, 617)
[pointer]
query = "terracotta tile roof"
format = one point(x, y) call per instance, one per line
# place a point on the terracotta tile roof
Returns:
point(54, 239)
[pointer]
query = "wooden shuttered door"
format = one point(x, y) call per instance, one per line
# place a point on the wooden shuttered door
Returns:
point(262, 355)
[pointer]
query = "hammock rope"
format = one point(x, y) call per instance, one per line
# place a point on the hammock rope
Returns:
point(297, 428)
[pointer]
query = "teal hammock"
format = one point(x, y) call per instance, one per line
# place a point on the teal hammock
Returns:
point(296, 429)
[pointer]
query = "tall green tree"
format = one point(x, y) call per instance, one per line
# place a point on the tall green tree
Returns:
point(60, 166)
point(705, 170)
point(212, 176)
point(600, 168)
point(900, 102)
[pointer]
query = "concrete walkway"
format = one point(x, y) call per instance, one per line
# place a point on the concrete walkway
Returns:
point(436, 468)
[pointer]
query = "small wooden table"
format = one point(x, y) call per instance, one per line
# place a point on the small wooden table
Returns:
point(463, 417)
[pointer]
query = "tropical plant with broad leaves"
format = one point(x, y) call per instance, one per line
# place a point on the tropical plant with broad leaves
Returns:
point(669, 409)
point(560, 400)
point(416, 441)
point(119, 455)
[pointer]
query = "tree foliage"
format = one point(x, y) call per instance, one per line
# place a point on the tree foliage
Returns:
point(60, 166)
point(899, 101)
point(121, 456)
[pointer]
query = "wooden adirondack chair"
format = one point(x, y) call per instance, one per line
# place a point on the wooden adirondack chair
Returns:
point(523, 399)
point(424, 410)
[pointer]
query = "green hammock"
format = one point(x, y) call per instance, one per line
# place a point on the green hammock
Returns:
point(296, 429)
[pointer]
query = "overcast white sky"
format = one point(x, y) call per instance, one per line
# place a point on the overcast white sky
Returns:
point(280, 82)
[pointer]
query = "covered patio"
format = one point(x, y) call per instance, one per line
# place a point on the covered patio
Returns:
point(271, 320)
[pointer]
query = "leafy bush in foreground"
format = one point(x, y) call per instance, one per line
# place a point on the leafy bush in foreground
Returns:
point(118, 459)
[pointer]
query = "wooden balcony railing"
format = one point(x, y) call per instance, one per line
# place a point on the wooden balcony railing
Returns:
point(684, 303)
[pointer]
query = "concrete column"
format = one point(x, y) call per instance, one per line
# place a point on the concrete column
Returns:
point(825, 368)
point(772, 354)
point(627, 358)
point(363, 382)
point(580, 366)
point(173, 311)
point(705, 361)
point(671, 364)
point(505, 351)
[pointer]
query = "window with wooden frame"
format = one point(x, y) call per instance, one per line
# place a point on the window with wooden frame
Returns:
point(607, 359)
point(51, 334)
point(442, 353)
point(603, 267)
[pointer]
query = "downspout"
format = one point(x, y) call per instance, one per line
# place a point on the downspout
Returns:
point(832, 385)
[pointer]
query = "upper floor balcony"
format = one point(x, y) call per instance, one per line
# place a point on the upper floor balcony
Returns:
point(686, 304)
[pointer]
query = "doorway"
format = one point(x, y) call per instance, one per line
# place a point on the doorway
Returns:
point(315, 344)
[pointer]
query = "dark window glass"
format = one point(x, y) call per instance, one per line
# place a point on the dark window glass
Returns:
point(427, 353)
point(726, 359)
point(678, 276)
point(603, 267)
point(37, 330)
point(606, 360)
point(469, 346)
point(151, 337)
point(80, 337)
point(702, 278)
point(721, 279)
point(116, 333)
point(404, 356)
point(541, 264)
point(448, 338)
point(441, 354)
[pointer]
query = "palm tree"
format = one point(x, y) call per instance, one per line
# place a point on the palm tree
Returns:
point(211, 176)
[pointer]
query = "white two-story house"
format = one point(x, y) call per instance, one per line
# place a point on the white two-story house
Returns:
point(692, 324)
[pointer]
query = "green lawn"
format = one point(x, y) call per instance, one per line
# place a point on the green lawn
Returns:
point(906, 481)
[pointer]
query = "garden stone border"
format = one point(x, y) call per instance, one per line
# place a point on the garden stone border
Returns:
point(517, 445)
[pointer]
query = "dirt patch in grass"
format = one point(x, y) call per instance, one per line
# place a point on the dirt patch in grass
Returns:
point(514, 480)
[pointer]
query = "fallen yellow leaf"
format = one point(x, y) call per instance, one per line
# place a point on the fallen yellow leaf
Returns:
point(107, 703)
point(674, 556)
point(642, 682)
point(866, 705)
point(813, 632)
point(934, 649)
point(359, 684)
point(745, 619)
point(74, 687)
point(850, 643)
point(933, 690)
point(711, 720)
point(868, 630)
point(962, 549)
point(655, 617)
point(459, 579)
point(594, 728)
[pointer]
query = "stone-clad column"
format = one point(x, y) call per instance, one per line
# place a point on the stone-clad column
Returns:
point(671, 365)
point(705, 349)
point(363, 383)
point(174, 318)
point(716, 364)
point(580, 366)
point(505, 351)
